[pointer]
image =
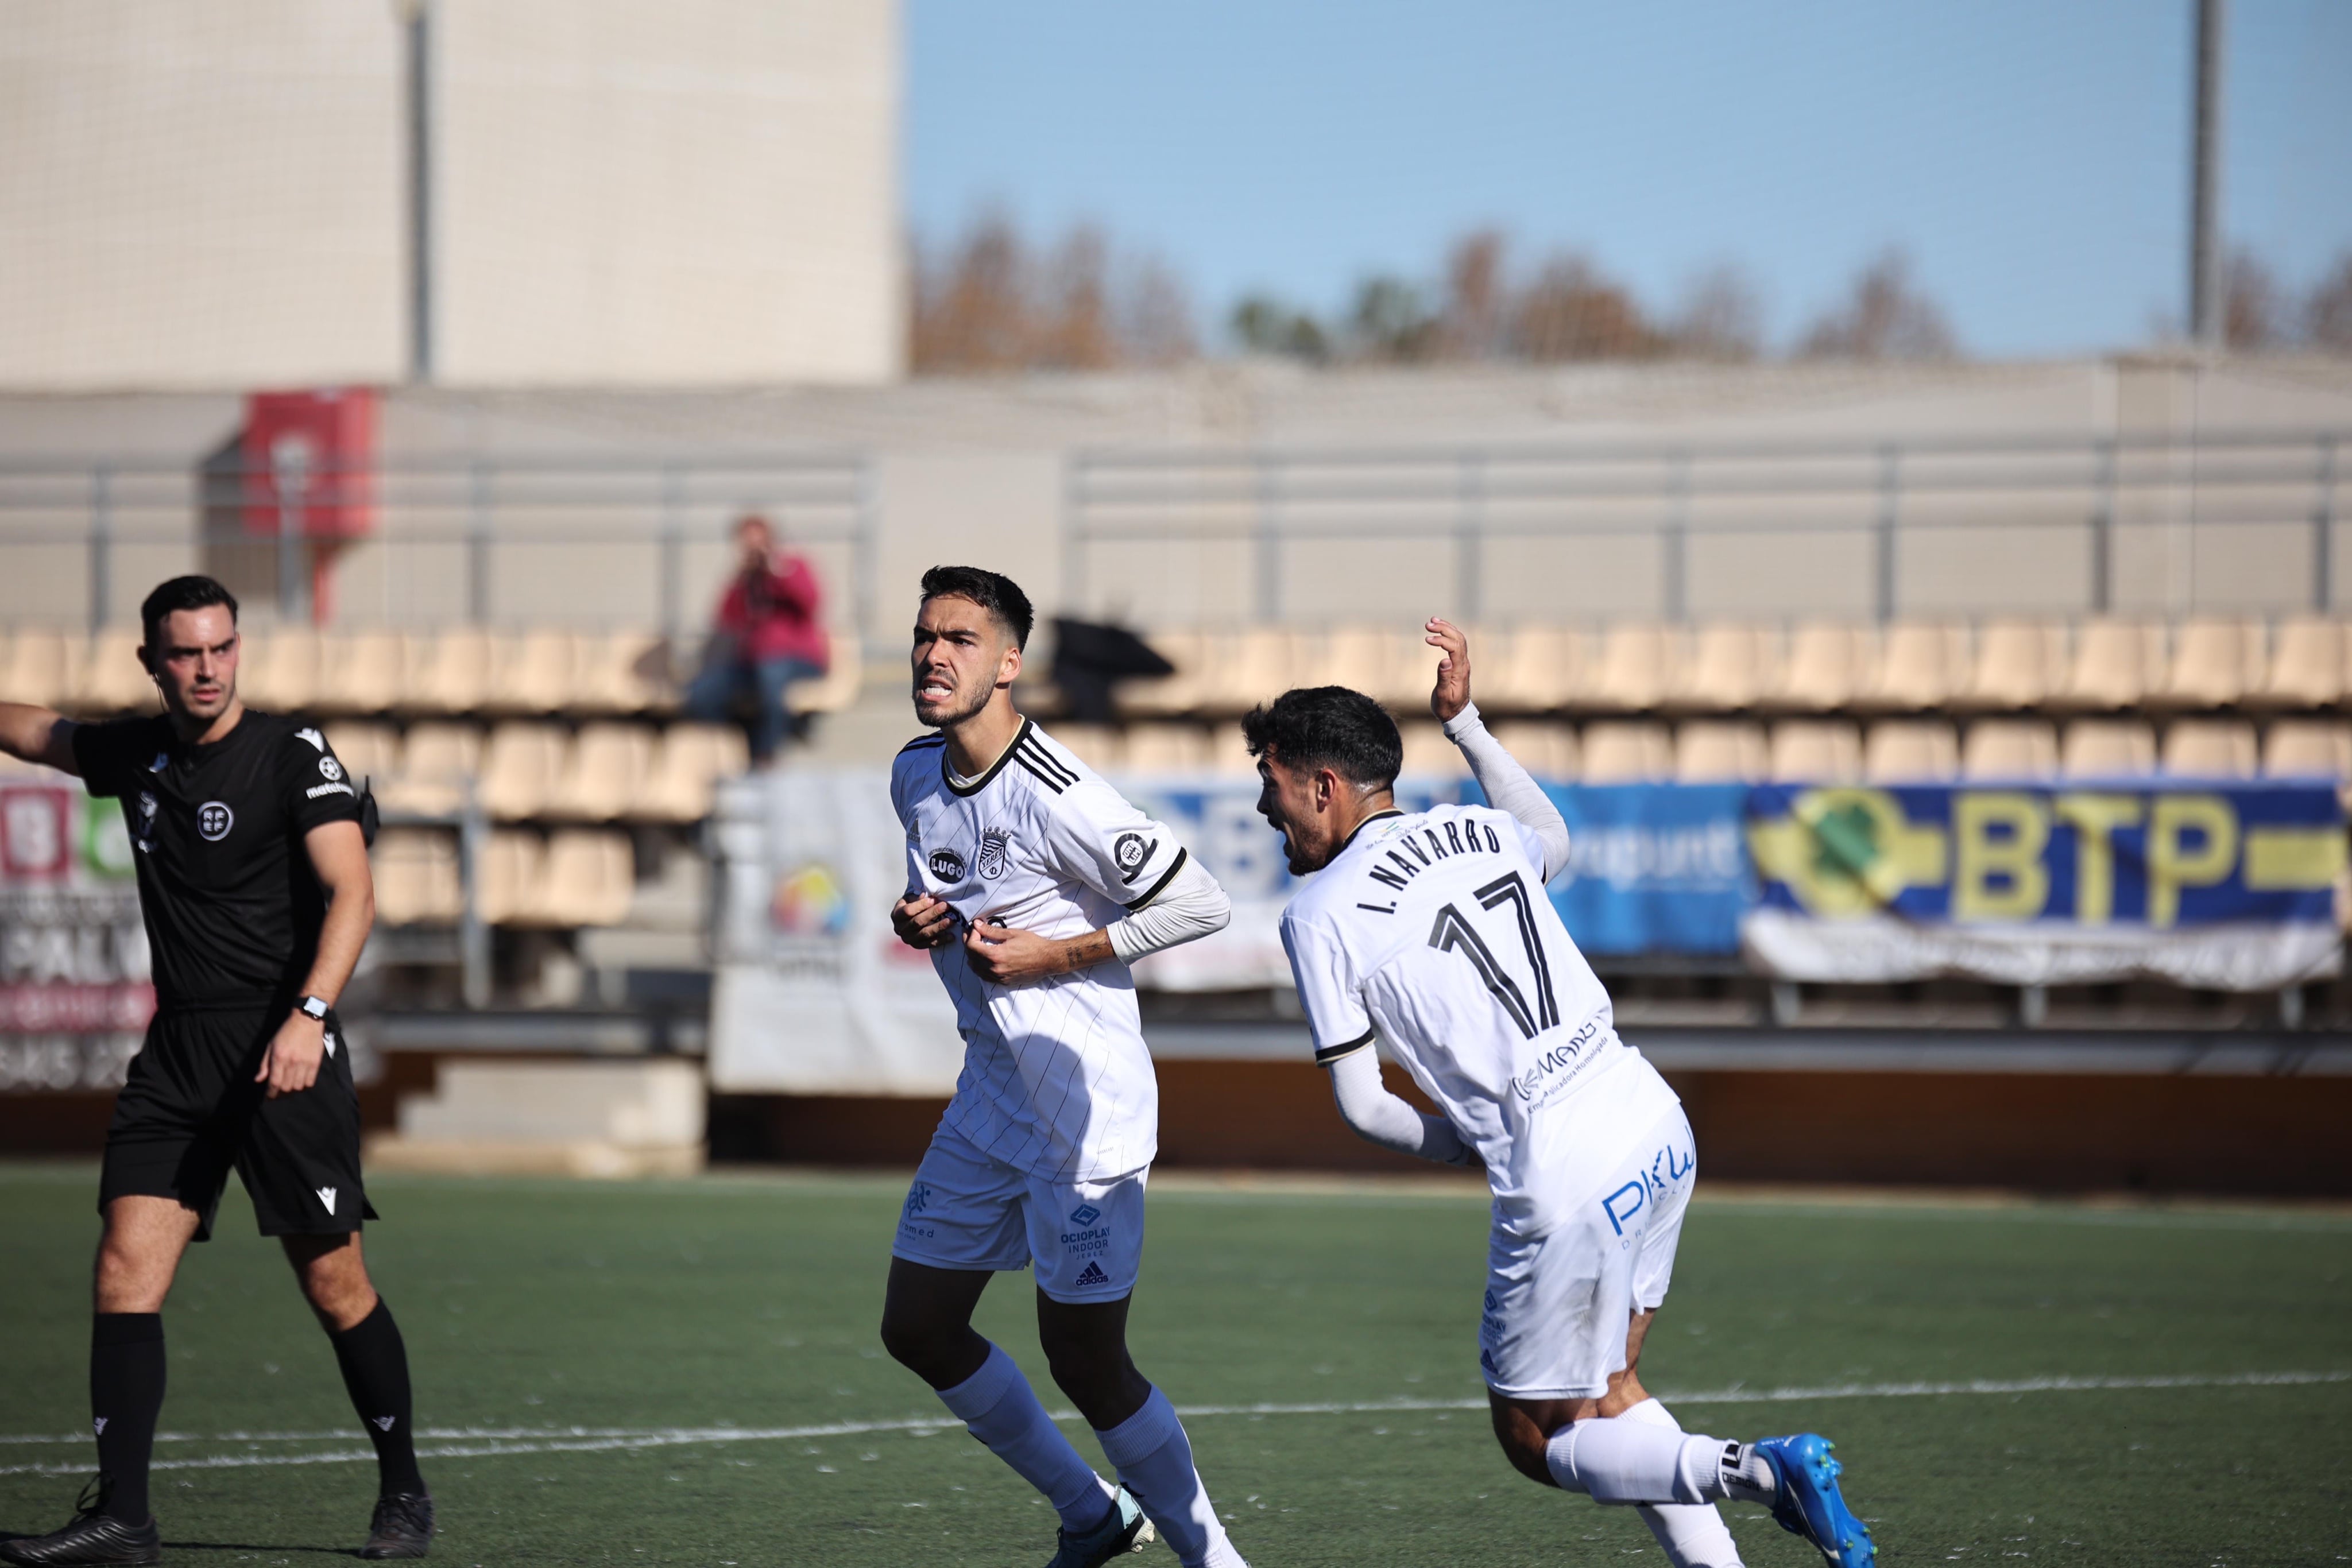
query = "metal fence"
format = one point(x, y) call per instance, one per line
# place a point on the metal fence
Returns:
point(554, 540)
point(2155, 524)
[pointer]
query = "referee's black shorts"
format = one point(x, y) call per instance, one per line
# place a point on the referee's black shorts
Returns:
point(191, 1109)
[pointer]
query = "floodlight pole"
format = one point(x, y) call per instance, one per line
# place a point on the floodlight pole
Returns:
point(2206, 308)
point(416, 28)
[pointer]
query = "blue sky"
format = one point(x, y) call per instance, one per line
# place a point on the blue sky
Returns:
point(2031, 155)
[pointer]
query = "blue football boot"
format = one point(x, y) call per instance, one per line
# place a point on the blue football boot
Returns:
point(1806, 1502)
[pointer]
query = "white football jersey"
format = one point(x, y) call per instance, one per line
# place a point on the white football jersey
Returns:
point(1057, 1081)
point(1433, 932)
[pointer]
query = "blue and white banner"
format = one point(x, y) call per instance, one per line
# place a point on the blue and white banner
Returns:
point(2222, 886)
point(1654, 868)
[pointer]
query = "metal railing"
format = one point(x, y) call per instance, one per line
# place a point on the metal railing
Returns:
point(1259, 523)
point(483, 541)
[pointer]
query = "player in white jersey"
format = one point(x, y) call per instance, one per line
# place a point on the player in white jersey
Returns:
point(1034, 885)
point(1432, 931)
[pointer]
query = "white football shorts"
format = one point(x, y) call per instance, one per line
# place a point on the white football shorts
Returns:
point(1557, 1306)
point(969, 1211)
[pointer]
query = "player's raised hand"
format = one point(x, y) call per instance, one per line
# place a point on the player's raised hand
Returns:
point(920, 920)
point(1453, 691)
point(291, 1063)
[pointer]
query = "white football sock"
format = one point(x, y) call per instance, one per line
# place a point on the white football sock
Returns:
point(1617, 1460)
point(1154, 1459)
point(1693, 1534)
point(997, 1405)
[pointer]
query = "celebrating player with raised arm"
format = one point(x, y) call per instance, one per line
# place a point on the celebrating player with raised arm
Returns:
point(1432, 931)
point(253, 880)
point(1034, 885)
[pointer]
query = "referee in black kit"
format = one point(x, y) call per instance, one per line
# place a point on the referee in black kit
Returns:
point(253, 879)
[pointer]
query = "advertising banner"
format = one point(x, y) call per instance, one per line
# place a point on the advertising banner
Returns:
point(2220, 886)
point(1654, 868)
point(75, 996)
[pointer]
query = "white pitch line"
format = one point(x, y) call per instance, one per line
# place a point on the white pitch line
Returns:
point(489, 1442)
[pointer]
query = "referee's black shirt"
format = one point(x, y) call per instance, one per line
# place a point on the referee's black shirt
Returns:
point(232, 904)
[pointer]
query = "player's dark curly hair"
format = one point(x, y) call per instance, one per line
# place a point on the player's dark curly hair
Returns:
point(992, 591)
point(182, 594)
point(1328, 726)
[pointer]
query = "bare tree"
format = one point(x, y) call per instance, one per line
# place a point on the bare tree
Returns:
point(1389, 323)
point(1265, 325)
point(1721, 317)
point(1884, 317)
point(2254, 309)
point(993, 302)
point(1570, 310)
point(2327, 315)
point(1471, 325)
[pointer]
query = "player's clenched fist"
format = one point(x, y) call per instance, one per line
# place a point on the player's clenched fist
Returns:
point(1453, 691)
point(921, 921)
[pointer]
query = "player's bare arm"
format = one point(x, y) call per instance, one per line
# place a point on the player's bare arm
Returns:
point(31, 734)
point(339, 854)
point(1010, 956)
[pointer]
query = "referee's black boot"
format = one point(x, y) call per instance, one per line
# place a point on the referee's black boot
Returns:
point(403, 1526)
point(94, 1536)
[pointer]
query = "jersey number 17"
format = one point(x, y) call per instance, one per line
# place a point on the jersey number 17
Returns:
point(1453, 933)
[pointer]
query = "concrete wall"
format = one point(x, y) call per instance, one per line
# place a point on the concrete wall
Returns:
point(700, 193)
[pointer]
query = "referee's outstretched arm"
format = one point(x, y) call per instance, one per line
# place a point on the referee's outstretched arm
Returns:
point(33, 734)
point(339, 854)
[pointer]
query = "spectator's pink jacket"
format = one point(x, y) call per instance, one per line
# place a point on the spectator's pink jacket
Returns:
point(773, 614)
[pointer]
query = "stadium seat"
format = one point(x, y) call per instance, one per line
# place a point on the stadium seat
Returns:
point(2214, 663)
point(606, 775)
point(510, 885)
point(520, 769)
point(531, 672)
point(2116, 664)
point(450, 670)
point(1543, 747)
point(1720, 751)
point(2018, 663)
point(1827, 665)
point(1640, 664)
point(438, 764)
point(1229, 751)
point(2010, 748)
point(362, 672)
point(1098, 746)
point(1921, 664)
point(2209, 748)
point(623, 672)
point(109, 677)
point(1428, 754)
point(369, 752)
point(1910, 751)
point(1622, 752)
point(587, 879)
point(1730, 667)
point(1258, 668)
point(1188, 650)
point(837, 687)
point(2306, 667)
point(40, 667)
point(1395, 668)
point(1533, 670)
point(278, 669)
point(2108, 748)
point(1815, 751)
point(1164, 749)
point(417, 877)
point(689, 761)
point(2308, 749)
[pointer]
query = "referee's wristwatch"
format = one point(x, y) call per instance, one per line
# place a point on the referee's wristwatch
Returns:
point(314, 1007)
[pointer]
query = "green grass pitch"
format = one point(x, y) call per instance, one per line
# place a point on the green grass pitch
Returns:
point(606, 1331)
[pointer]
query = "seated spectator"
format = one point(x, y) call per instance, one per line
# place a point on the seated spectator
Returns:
point(764, 637)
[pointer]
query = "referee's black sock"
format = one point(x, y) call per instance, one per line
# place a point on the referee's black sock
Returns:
point(126, 1395)
point(375, 1372)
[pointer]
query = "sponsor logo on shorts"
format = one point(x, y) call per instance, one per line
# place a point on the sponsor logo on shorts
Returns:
point(384, 1423)
point(1487, 1363)
point(1092, 1239)
point(146, 804)
point(918, 1198)
point(1092, 1274)
point(1084, 1214)
point(98, 1423)
point(213, 819)
point(947, 865)
point(327, 1196)
point(1668, 1166)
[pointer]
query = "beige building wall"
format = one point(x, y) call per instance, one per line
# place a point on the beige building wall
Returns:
point(701, 192)
point(199, 195)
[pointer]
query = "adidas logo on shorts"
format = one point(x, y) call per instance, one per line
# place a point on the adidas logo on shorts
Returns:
point(1092, 1274)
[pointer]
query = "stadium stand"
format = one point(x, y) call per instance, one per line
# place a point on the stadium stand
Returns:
point(1911, 751)
point(1815, 751)
point(1628, 752)
point(2308, 749)
point(2009, 749)
point(2108, 748)
point(2209, 748)
point(1719, 751)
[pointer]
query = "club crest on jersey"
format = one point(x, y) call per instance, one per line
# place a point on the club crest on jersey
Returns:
point(993, 844)
point(947, 865)
point(1131, 852)
point(213, 819)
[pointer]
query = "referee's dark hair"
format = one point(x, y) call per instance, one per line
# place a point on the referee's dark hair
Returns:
point(992, 591)
point(1328, 726)
point(191, 593)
